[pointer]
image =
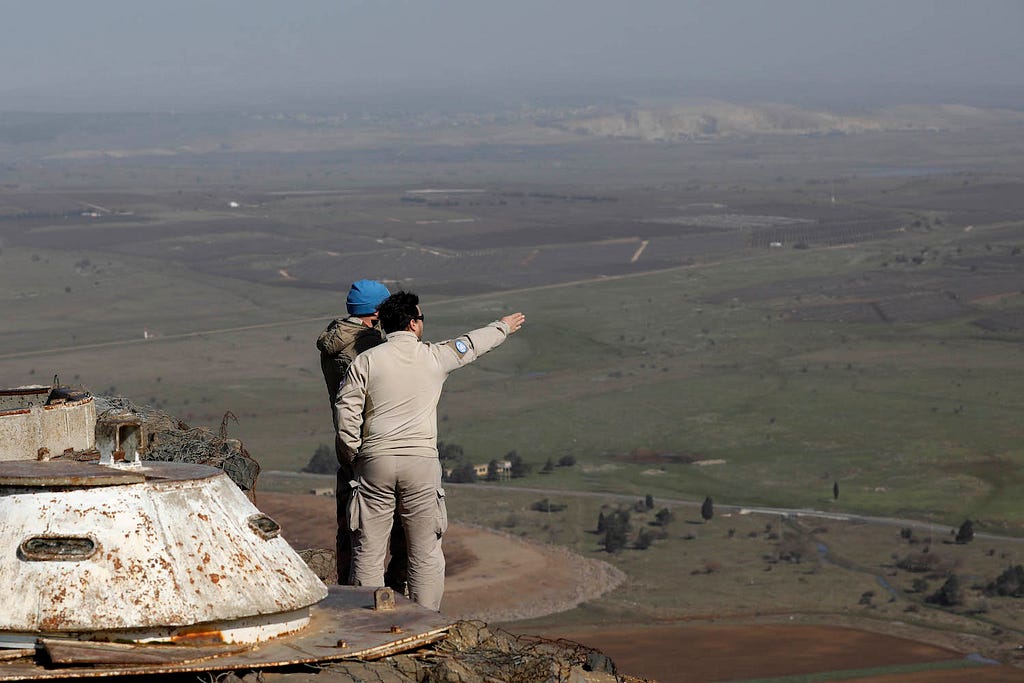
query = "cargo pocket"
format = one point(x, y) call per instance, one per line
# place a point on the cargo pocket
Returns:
point(442, 514)
point(354, 506)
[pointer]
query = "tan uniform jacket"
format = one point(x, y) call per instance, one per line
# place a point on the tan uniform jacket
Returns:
point(388, 402)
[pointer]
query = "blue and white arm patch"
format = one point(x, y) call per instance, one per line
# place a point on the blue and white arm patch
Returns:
point(459, 346)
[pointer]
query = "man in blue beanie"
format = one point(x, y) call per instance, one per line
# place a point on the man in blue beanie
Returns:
point(339, 344)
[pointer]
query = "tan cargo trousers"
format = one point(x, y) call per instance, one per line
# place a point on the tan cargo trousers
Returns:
point(413, 484)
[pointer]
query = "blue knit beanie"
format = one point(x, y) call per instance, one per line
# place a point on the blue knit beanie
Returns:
point(365, 297)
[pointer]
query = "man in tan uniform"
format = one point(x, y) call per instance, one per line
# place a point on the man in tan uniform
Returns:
point(387, 418)
point(342, 341)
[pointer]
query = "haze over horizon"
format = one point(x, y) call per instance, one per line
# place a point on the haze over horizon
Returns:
point(190, 55)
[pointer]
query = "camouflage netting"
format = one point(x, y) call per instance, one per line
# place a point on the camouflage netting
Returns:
point(474, 653)
point(171, 440)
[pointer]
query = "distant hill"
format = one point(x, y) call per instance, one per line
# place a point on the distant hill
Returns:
point(113, 136)
point(715, 119)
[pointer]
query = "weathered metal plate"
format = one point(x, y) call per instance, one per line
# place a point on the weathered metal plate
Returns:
point(64, 473)
point(17, 654)
point(76, 473)
point(343, 626)
point(64, 652)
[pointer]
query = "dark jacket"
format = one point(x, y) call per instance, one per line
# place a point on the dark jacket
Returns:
point(339, 344)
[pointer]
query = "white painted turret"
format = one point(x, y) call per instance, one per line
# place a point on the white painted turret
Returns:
point(150, 552)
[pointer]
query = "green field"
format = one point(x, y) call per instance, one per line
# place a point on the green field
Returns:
point(915, 418)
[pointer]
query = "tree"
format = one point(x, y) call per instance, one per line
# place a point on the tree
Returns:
point(965, 534)
point(324, 461)
point(1009, 583)
point(567, 461)
point(649, 501)
point(601, 522)
point(643, 540)
point(664, 517)
point(707, 509)
point(948, 595)
point(548, 468)
point(519, 468)
point(464, 473)
point(449, 451)
point(835, 490)
point(492, 470)
point(616, 531)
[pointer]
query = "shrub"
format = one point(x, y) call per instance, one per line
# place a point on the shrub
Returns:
point(546, 505)
point(643, 540)
point(920, 562)
point(710, 567)
point(793, 548)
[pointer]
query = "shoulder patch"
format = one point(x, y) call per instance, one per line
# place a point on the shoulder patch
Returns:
point(460, 346)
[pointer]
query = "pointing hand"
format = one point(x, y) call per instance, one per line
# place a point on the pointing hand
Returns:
point(514, 321)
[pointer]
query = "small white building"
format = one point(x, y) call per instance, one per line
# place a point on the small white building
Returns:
point(504, 470)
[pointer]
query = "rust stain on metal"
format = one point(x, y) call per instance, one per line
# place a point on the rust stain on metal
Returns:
point(198, 638)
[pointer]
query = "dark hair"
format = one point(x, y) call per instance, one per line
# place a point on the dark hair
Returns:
point(397, 311)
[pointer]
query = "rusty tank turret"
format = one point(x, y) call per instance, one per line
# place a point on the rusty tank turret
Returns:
point(141, 553)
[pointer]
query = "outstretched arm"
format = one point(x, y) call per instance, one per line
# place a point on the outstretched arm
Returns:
point(463, 350)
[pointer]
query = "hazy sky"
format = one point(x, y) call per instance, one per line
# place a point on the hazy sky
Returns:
point(150, 54)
